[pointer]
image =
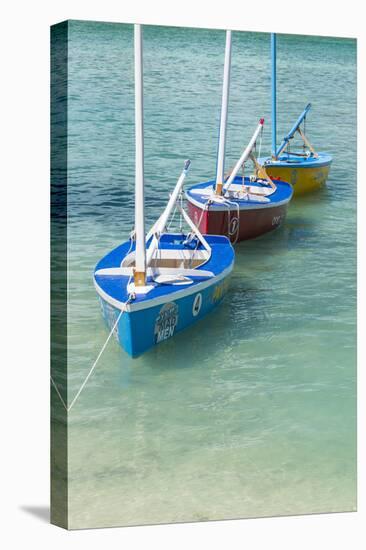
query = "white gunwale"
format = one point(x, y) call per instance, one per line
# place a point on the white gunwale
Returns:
point(242, 204)
point(169, 297)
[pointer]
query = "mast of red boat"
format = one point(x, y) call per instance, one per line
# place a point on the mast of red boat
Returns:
point(220, 168)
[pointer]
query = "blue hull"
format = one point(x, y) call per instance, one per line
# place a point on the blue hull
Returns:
point(166, 309)
point(139, 331)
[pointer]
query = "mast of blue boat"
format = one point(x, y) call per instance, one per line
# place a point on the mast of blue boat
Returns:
point(140, 251)
point(273, 94)
point(220, 168)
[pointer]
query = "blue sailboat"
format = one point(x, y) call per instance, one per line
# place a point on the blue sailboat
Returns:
point(159, 283)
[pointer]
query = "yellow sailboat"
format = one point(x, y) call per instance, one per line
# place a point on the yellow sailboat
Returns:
point(306, 169)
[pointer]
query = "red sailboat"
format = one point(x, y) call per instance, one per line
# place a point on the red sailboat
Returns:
point(238, 206)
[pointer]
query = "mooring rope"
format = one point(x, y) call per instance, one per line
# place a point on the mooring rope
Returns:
point(68, 408)
point(123, 309)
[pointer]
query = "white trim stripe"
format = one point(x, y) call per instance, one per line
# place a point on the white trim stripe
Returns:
point(242, 205)
point(171, 297)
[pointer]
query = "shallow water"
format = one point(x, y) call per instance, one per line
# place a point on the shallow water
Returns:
point(252, 411)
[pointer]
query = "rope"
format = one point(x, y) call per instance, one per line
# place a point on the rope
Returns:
point(194, 253)
point(207, 203)
point(172, 217)
point(229, 203)
point(68, 408)
point(181, 215)
point(191, 234)
point(129, 299)
point(243, 176)
point(154, 261)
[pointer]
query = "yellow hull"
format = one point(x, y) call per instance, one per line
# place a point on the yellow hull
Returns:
point(303, 179)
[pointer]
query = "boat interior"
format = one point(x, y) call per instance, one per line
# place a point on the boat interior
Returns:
point(172, 258)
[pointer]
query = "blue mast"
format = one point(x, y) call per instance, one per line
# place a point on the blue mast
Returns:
point(273, 93)
point(291, 133)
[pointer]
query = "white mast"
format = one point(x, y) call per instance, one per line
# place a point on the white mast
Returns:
point(140, 265)
point(223, 121)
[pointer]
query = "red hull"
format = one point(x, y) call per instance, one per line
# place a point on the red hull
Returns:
point(253, 222)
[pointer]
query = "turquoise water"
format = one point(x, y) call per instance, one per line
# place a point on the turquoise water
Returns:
point(251, 412)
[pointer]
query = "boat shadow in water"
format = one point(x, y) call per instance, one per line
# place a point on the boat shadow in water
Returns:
point(242, 306)
point(244, 311)
point(298, 231)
